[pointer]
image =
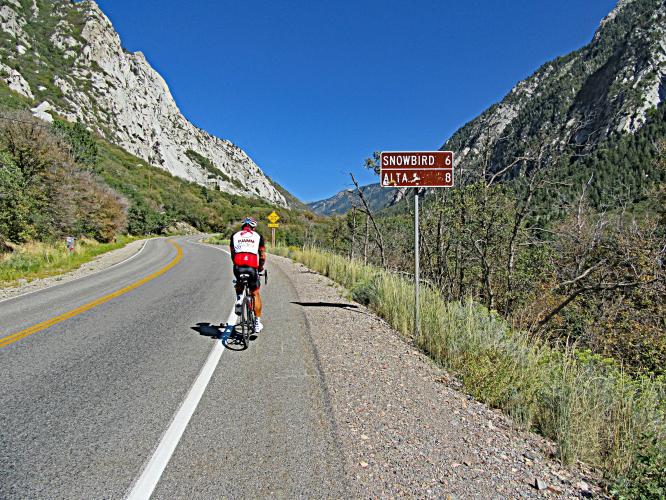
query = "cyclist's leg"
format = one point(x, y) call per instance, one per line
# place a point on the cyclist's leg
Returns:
point(239, 285)
point(257, 303)
point(255, 284)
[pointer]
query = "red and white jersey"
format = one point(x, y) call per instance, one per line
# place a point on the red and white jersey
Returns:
point(246, 247)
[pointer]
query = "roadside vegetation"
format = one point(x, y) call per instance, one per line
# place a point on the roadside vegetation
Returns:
point(216, 239)
point(587, 404)
point(47, 187)
point(61, 180)
point(545, 292)
point(34, 260)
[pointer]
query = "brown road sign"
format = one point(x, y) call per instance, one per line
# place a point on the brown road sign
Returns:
point(416, 169)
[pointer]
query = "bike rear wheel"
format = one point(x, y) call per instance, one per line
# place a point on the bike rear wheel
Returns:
point(251, 316)
point(247, 321)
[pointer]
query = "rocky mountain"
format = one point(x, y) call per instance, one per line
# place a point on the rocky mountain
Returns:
point(69, 60)
point(596, 110)
point(340, 203)
point(608, 88)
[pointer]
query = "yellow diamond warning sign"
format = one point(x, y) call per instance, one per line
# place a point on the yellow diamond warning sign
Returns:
point(273, 218)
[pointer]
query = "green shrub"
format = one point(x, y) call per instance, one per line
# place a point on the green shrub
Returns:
point(647, 477)
point(83, 146)
point(364, 292)
point(15, 204)
point(45, 193)
point(210, 167)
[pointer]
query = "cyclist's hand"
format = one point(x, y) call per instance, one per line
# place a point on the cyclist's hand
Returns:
point(261, 269)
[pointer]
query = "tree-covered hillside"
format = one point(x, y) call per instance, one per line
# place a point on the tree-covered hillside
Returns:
point(145, 199)
point(67, 60)
point(573, 104)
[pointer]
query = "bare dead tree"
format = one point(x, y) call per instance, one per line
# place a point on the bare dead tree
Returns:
point(353, 233)
point(378, 235)
point(366, 239)
point(598, 255)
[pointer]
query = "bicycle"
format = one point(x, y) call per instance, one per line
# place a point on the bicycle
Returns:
point(246, 315)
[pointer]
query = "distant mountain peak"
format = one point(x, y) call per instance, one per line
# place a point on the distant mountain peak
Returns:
point(621, 5)
point(378, 197)
point(609, 86)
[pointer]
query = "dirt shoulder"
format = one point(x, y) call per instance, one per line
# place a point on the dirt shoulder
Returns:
point(100, 263)
point(405, 426)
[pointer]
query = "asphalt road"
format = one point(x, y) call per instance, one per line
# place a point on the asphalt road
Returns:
point(86, 401)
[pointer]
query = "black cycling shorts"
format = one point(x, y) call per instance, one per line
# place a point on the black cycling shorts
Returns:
point(253, 281)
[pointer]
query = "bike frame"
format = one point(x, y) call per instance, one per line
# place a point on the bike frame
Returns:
point(247, 316)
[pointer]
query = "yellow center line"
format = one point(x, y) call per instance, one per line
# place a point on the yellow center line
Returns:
point(9, 339)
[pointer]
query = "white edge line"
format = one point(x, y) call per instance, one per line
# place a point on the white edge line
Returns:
point(80, 277)
point(212, 246)
point(145, 485)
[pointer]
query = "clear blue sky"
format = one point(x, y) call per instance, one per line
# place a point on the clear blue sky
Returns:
point(309, 88)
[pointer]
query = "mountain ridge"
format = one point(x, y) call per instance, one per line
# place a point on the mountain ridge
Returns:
point(377, 197)
point(577, 100)
point(572, 106)
point(69, 60)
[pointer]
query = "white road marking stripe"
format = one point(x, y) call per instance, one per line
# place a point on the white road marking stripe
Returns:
point(144, 486)
point(212, 246)
point(80, 277)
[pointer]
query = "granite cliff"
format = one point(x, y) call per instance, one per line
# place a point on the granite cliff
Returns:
point(69, 60)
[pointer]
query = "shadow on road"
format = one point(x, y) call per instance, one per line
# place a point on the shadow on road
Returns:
point(226, 333)
point(326, 304)
point(208, 330)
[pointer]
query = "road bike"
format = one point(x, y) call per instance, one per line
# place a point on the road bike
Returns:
point(246, 316)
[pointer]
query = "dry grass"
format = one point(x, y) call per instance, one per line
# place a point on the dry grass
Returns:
point(216, 239)
point(591, 409)
point(39, 260)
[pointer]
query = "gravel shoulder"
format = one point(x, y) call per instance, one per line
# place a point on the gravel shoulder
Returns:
point(98, 264)
point(406, 428)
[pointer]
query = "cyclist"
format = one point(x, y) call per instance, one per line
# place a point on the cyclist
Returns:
point(248, 253)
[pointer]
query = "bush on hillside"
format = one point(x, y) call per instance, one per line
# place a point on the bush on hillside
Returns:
point(141, 219)
point(15, 203)
point(82, 144)
point(45, 193)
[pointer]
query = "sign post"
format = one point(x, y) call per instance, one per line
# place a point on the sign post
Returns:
point(416, 169)
point(273, 218)
point(416, 263)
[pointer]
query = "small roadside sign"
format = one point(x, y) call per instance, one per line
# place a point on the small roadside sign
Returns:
point(273, 218)
point(416, 169)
